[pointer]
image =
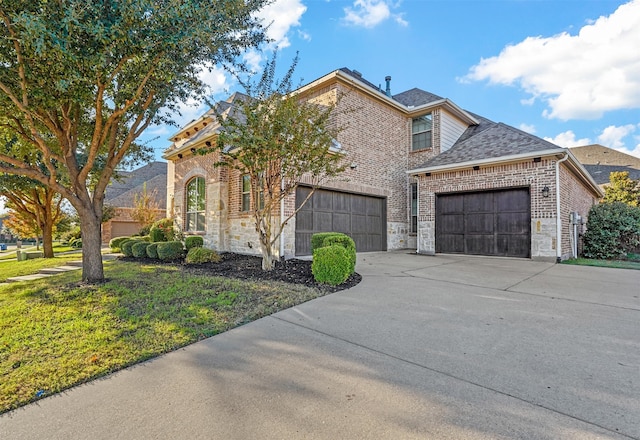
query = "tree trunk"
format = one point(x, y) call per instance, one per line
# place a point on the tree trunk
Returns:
point(92, 270)
point(47, 238)
point(268, 259)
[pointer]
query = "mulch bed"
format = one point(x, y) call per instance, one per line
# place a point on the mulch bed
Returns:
point(249, 267)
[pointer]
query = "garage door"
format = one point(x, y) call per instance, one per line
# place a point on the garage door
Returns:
point(361, 217)
point(485, 223)
point(124, 229)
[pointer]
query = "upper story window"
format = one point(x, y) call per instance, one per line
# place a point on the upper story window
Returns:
point(196, 202)
point(421, 132)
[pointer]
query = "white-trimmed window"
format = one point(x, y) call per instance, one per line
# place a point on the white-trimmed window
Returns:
point(414, 208)
point(196, 202)
point(421, 129)
point(245, 191)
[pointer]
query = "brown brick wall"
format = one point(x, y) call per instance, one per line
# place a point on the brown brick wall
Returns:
point(574, 197)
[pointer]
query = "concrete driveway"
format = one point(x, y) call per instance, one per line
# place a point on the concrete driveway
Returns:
point(438, 347)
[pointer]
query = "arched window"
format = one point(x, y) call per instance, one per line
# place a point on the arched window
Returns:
point(196, 202)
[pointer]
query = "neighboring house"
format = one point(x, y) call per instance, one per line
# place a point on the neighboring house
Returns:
point(121, 194)
point(424, 174)
point(602, 161)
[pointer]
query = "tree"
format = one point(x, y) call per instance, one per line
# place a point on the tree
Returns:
point(622, 189)
point(276, 138)
point(81, 80)
point(145, 207)
point(34, 209)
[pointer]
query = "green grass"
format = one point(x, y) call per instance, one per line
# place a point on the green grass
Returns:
point(618, 264)
point(57, 332)
point(14, 268)
point(57, 248)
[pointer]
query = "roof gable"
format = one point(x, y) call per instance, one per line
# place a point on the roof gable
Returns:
point(601, 161)
point(416, 97)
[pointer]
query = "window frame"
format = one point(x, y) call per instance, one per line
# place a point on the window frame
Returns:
point(428, 133)
point(413, 208)
point(195, 219)
point(245, 194)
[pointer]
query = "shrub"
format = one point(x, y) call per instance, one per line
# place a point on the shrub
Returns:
point(170, 250)
point(76, 243)
point(613, 230)
point(318, 239)
point(152, 250)
point(346, 242)
point(193, 241)
point(331, 265)
point(139, 249)
point(127, 245)
point(115, 243)
point(163, 230)
point(199, 255)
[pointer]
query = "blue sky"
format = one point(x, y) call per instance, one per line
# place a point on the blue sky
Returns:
point(567, 71)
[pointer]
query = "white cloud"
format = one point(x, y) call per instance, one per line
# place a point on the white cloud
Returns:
point(578, 76)
point(280, 16)
point(529, 128)
point(612, 135)
point(568, 139)
point(635, 152)
point(370, 13)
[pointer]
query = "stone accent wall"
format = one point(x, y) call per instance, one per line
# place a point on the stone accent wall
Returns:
point(533, 175)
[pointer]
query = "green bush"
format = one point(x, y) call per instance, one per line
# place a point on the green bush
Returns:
point(318, 239)
point(115, 243)
point(127, 245)
point(613, 230)
point(152, 250)
point(170, 250)
point(139, 249)
point(331, 265)
point(199, 255)
point(76, 243)
point(193, 241)
point(163, 230)
point(346, 242)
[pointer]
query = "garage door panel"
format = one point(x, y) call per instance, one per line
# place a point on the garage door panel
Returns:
point(480, 223)
point(361, 217)
point(488, 223)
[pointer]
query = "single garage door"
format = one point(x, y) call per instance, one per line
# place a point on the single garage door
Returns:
point(485, 223)
point(124, 229)
point(363, 218)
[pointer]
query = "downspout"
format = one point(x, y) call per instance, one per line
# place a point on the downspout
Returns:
point(281, 217)
point(558, 218)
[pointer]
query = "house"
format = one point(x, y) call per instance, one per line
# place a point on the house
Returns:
point(122, 192)
point(424, 175)
point(601, 161)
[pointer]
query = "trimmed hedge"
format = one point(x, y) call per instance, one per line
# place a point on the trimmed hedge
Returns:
point(126, 246)
point(115, 243)
point(193, 241)
point(152, 250)
point(317, 239)
point(199, 255)
point(613, 230)
point(139, 249)
point(346, 242)
point(331, 265)
point(76, 243)
point(170, 250)
point(162, 230)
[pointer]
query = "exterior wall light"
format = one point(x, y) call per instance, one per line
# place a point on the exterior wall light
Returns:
point(545, 192)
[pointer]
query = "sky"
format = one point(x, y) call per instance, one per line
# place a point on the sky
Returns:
point(565, 70)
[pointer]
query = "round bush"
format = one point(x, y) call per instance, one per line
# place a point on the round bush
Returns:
point(162, 230)
point(152, 250)
point(126, 247)
point(76, 243)
point(331, 265)
point(115, 243)
point(346, 242)
point(170, 250)
point(318, 238)
point(139, 249)
point(613, 230)
point(199, 255)
point(193, 241)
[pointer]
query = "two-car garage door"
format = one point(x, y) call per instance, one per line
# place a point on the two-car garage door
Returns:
point(362, 217)
point(485, 223)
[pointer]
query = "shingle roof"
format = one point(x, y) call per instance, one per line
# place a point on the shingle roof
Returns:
point(416, 97)
point(120, 192)
point(494, 141)
point(359, 77)
point(601, 161)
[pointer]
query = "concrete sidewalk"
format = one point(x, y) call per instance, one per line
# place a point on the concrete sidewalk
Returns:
point(47, 272)
point(425, 347)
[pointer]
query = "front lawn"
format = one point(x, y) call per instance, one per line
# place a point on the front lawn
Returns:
point(14, 268)
point(57, 332)
point(618, 264)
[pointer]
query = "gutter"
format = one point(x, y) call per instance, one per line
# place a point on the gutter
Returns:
point(558, 218)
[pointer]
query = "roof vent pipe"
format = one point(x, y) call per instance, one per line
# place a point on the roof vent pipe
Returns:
point(388, 89)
